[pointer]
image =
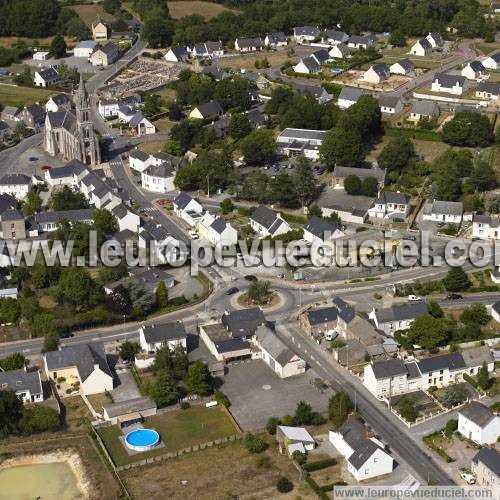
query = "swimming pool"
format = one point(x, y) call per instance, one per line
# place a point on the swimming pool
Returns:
point(142, 439)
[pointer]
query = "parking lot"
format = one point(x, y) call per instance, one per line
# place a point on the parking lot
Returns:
point(256, 393)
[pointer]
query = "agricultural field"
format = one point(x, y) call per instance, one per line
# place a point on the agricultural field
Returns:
point(186, 8)
point(89, 12)
point(247, 62)
point(11, 95)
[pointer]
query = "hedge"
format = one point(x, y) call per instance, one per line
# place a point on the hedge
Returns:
point(319, 464)
point(316, 488)
point(471, 381)
point(423, 135)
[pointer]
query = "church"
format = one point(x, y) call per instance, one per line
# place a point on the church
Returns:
point(70, 133)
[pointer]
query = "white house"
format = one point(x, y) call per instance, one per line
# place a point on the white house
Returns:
point(403, 67)
point(377, 73)
point(139, 160)
point(444, 211)
point(41, 55)
point(495, 311)
point(486, 90)
point(124, 413)
point(282, 360)
point(68, 175)
point(267, 222)
point(486, 227)
point(421, 48)
point(59, 102)
point(474, 70)
point(339, 51)
point(486, 467)
point(362, 41)
point(153, 337)
point(208, 49)
point(187, 208)
point(49, 221)
point(478, 423)
point(205, 110)
point(450, 84)
point(307, 66)
point(435, 39)
point(127, 219)
point(397, 317)
point(276, 39)
point(335, 37)
point(297, 141)
point(303, 34)
point(158, 178)
point(45, 77)
point(349, 96)
point(248, 44)
point(26, 384)
point(85, 365)
point(221, 232)
point(423, 109)
point(319, 230)
point(17, 185)
point(492, 62)
point(291, 439)
point(390, 104)
point(179, 53)
point(391, 205)
point(366, 456)
point(85, 48)
point(140, 125)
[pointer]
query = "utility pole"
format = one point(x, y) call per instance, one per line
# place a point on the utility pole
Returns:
point(208, 186)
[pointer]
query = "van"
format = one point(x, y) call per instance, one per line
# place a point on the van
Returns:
point(331, 335)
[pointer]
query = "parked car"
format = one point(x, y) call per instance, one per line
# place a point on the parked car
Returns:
point(468, 478)
point(414, 298)
point(231, 291)
point(66, 335)
point(454, 296)
point(409, 237)
point(251, 277)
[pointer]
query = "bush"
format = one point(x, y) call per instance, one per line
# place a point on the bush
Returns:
point(450, 427)
point(299, 457)
point(262, 462)
point(319, 464)
point(254, 444)
point(185, 405)
point(284, 485)
point(272, 424)
point(222, 399)
point(470, 380)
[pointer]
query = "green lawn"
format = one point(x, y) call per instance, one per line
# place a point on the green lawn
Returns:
point(20, 96)
point(178, 429)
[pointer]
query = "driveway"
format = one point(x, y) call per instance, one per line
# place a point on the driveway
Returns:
point(256, 393)
point(125, 388)
point(80, 63)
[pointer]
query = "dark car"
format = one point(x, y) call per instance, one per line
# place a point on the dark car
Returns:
point(66, 335)
point(409, 237)
point(454, 296)
point(251, 277)
point(231, 291)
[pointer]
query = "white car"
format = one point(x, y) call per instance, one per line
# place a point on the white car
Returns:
point(414, 298)
point(468, 478)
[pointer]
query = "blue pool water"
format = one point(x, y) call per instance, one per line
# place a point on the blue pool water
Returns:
point(142, 439)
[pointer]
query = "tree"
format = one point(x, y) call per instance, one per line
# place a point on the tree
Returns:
point(221, 399)
point(31, 203)
point(314, 210)
point(10, 310)
point(369, 186)
point(339, 407)
point(272, 425)
point(428, 332)
point(50, 342)
point(239, 126)
point(258, 147)
point(342, 147)
point(111, 6)
point(152, 105)
point(128, 350)
point(476, 314)
point(198, 378)
point(282, 191)
point(456, 280)
point(104, 222)
point(303, 413)
point(76, 28)
point(352, 185)
point(483, 177)
point(77, 287)
point(108, 274)
point(304, 179)
point(435, 309)
point(163, 390)
point(161, 294)
point(450, 427)
point(407, 408)
point(226, 206)
point(483, 377)
point(259, 292)
point(58, 47)
point(175, 112)
point(397, 38)
point(11, 410)
point(15, 361)
point(254, 444)
point(39, 419)
point(396, 154)
point(284, 485)
point(157, 32)
point(468, 128)
point(454, 395)
point(66, 199)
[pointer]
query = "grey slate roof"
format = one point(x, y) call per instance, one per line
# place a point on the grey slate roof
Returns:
point(388, 100)
point(315, 90)
point(86, 44)
point(476, 356)
point(337, 36)
point(450, 80)
point(21, 380)
point(388, 368)
point(477, 65)
point(273, 345)
point(363, 39)
point(362, 173)
point(12, 215)
point(427, 108)
point(381, 69)
point(321, 55)
point(249, 43)
point(323, 315)
point(79, 215)
point(401, 312)
point(350, 93)
point(276, 37)
point(444, 207)
point(7, 202)
point(209, 108)
point(490, 458)
point(163, 170)
point(346, 311)
point(48, 74)
point(406, 64)
point(180, 52)
point(219, 225)
point(306, 31)
point(303, 134)
point(452, 361)
point(81, 356)
point(182, 200)
point(244, 322)
point(425, 43)
point(139, 154)
point(490, 87)
point(129, 406)
point(311, 64)
point(393, 197)
point(318, 227)
point(264, 216)
point(14, 179)
point(73, 167)
point(161, 333)
point(477, 413)
point(495, 57)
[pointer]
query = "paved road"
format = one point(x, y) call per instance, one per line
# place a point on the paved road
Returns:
point(8, 157)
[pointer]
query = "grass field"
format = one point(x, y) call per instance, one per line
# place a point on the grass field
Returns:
point(178, 429)
point(164, 125)
point(151, 147)
point(248, 61)
point(186, 8)
point(89, 12)
point(20, 96)
point(226, 472)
